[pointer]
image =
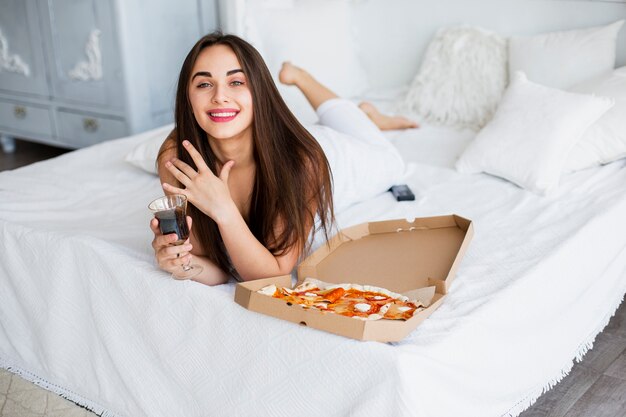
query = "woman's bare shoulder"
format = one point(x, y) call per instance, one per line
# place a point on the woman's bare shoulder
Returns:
point(166, 153)
point(168, 147)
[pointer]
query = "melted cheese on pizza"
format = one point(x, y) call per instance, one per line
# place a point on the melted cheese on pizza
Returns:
point(351, 300)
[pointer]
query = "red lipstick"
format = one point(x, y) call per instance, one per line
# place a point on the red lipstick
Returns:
point(222, 115)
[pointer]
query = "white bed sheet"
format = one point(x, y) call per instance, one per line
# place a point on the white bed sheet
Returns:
point(85, 312)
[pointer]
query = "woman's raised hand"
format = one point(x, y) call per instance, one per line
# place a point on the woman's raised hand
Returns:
point(208, 192)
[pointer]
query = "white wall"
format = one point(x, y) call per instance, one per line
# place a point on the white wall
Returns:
point(209, 15)
point(394, 34)
point(231, 15)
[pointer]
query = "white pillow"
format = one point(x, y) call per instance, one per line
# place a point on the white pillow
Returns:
point(313, 34)
point(462, 78)
point(562, 59)
point(605, 140)
point(145, 153)
point(531, 134)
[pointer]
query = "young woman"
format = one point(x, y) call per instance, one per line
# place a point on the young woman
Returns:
point(259, 184)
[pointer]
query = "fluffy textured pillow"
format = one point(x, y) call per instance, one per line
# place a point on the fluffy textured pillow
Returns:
point(313, 34)
point(462, 78)
point(562, 59)
point(531, 134)
point(605, 140)
point(144, 155)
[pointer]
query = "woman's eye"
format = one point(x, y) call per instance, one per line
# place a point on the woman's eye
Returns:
point(236, 83)
point(204, 85)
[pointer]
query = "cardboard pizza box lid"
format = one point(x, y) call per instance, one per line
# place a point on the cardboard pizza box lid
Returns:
point(396, 254)
point(402, 256)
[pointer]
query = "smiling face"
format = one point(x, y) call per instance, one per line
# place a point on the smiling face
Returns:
point(219, 94)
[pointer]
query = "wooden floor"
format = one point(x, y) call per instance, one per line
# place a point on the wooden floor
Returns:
point(596, 387)
point(26, 153)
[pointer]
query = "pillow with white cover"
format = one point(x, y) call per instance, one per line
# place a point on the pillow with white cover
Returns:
point(144, 155)
point(313, 34)
point(531, 134)
point(605, 140)
point(563, 59)
point(462, 78)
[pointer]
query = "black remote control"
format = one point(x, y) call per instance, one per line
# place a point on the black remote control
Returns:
point(402, 192)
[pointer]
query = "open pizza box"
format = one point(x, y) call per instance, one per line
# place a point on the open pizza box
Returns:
point(418, 259)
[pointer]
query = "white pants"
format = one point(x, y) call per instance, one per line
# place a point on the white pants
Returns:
point(362, 160)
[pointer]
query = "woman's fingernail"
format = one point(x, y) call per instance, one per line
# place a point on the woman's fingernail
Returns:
point(185, 143)
point(168, 164)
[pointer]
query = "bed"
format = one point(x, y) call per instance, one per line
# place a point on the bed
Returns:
point(86, 313)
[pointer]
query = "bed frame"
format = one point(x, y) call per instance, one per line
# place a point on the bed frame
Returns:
point(410, 25)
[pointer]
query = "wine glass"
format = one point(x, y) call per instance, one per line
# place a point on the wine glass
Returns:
point(171, 212)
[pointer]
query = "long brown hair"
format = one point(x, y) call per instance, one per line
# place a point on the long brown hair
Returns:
point(292, 172)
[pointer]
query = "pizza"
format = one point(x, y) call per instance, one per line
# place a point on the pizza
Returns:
point(362, 302)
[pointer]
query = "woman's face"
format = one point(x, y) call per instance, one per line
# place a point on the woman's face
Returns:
point(219, 94)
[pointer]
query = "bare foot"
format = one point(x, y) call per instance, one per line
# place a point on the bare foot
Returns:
point(290, 74)
point(385, 122)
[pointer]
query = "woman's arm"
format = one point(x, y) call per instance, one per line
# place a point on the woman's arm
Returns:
point(251, 259)
point(211, 195)
point(171, 258)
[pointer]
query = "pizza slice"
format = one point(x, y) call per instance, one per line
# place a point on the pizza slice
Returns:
point(352, 300)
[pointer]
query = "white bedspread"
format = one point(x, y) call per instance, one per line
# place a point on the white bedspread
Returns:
point(85, 312)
